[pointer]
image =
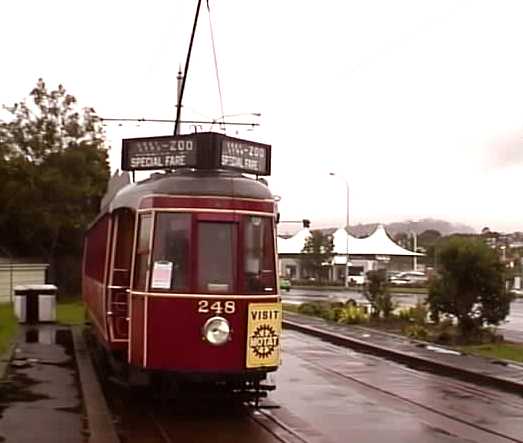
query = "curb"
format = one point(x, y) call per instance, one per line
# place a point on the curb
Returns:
point(101, 428)
point(415, 361)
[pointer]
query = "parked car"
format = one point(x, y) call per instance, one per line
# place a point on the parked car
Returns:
point(398, 281)
point(408, 278)
point(356, 280)
point(285, 284)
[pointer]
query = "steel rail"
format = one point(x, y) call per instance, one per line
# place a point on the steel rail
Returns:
point(276, 427)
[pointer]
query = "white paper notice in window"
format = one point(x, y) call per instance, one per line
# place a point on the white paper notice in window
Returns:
point(162, 273)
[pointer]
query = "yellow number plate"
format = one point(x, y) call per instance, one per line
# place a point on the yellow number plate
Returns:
point(263, 334)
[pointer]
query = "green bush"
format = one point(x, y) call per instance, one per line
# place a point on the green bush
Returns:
point(414, 314)
point(404, 314)
point(316, 309)
point(416, 331)
point(351, 315)
point(337, 312)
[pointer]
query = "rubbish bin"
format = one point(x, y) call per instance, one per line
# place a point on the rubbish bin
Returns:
point(35, 303)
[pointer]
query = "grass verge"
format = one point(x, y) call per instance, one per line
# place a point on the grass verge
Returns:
point(70, 312)
point(291, 307)
point(502, 351)
point(8, 326)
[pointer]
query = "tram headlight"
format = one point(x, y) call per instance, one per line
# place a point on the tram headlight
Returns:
point(216, 331)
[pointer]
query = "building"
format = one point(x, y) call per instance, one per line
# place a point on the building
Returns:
point(15, 272)
point(365, 254)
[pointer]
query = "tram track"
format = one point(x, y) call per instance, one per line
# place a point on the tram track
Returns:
point(255, 425)
point(281, 431)
point(140, 415)
point(451, 385)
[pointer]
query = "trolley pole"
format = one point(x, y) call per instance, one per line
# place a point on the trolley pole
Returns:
point(179, 79)
point(180, 98)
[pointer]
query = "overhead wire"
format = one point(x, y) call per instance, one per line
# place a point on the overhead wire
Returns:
point(215, 63)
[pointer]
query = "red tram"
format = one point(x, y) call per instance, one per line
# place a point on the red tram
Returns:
point(179, 272)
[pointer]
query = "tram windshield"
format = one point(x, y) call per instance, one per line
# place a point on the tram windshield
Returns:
point(216, 256)
point(213, 256)
point(170, 264)
point(258, 255)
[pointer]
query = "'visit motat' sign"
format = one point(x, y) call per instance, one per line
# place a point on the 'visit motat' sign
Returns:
point(204, 150)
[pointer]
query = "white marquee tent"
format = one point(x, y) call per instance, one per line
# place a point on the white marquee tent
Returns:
point(378, 243)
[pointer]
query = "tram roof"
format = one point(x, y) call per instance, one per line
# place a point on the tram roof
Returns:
point(190, 182)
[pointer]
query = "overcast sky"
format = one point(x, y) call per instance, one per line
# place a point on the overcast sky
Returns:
point(418, 104)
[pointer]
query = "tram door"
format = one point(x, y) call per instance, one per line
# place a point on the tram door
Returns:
point(120, 275)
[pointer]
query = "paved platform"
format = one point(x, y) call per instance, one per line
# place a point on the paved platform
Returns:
point(503, 374)
point(41, 397)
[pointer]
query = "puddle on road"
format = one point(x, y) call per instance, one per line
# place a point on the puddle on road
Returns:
point(31, 336)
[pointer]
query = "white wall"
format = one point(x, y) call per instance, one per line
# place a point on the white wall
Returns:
point(19, 274)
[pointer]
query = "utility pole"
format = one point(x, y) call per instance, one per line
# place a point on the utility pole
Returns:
point(415, 250)
point(347, 225)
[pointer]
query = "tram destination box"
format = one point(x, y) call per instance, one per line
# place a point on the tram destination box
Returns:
point(204, 150)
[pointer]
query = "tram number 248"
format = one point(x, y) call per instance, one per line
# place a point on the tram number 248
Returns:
point(217, 307)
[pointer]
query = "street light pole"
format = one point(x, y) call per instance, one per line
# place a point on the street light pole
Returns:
point(347, 224)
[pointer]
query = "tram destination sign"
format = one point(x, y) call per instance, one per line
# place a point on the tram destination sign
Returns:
point(169, 152)
point(245, 156)
point(203, 150)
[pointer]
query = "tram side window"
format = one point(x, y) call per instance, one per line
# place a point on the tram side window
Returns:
point(258, 255)
point(142, 252)
point(215, 256)
point(170, 263)
point(95, 254)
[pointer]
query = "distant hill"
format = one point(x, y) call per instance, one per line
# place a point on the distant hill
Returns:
point(419, 226)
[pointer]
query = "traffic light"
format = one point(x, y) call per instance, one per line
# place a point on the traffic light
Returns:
point(306, 223)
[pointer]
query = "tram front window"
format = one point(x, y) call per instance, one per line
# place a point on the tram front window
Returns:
point(258, 255)
point(215, 256)
point(170, 263)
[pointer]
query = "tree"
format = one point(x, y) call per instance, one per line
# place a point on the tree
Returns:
point(428, 240)
point(318, 250)
point(53, 173)
point(376, 292)
point(403, 239)
point(470, 285)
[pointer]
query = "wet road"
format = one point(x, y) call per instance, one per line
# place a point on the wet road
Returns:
point(513, 329)
point(343, 396)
